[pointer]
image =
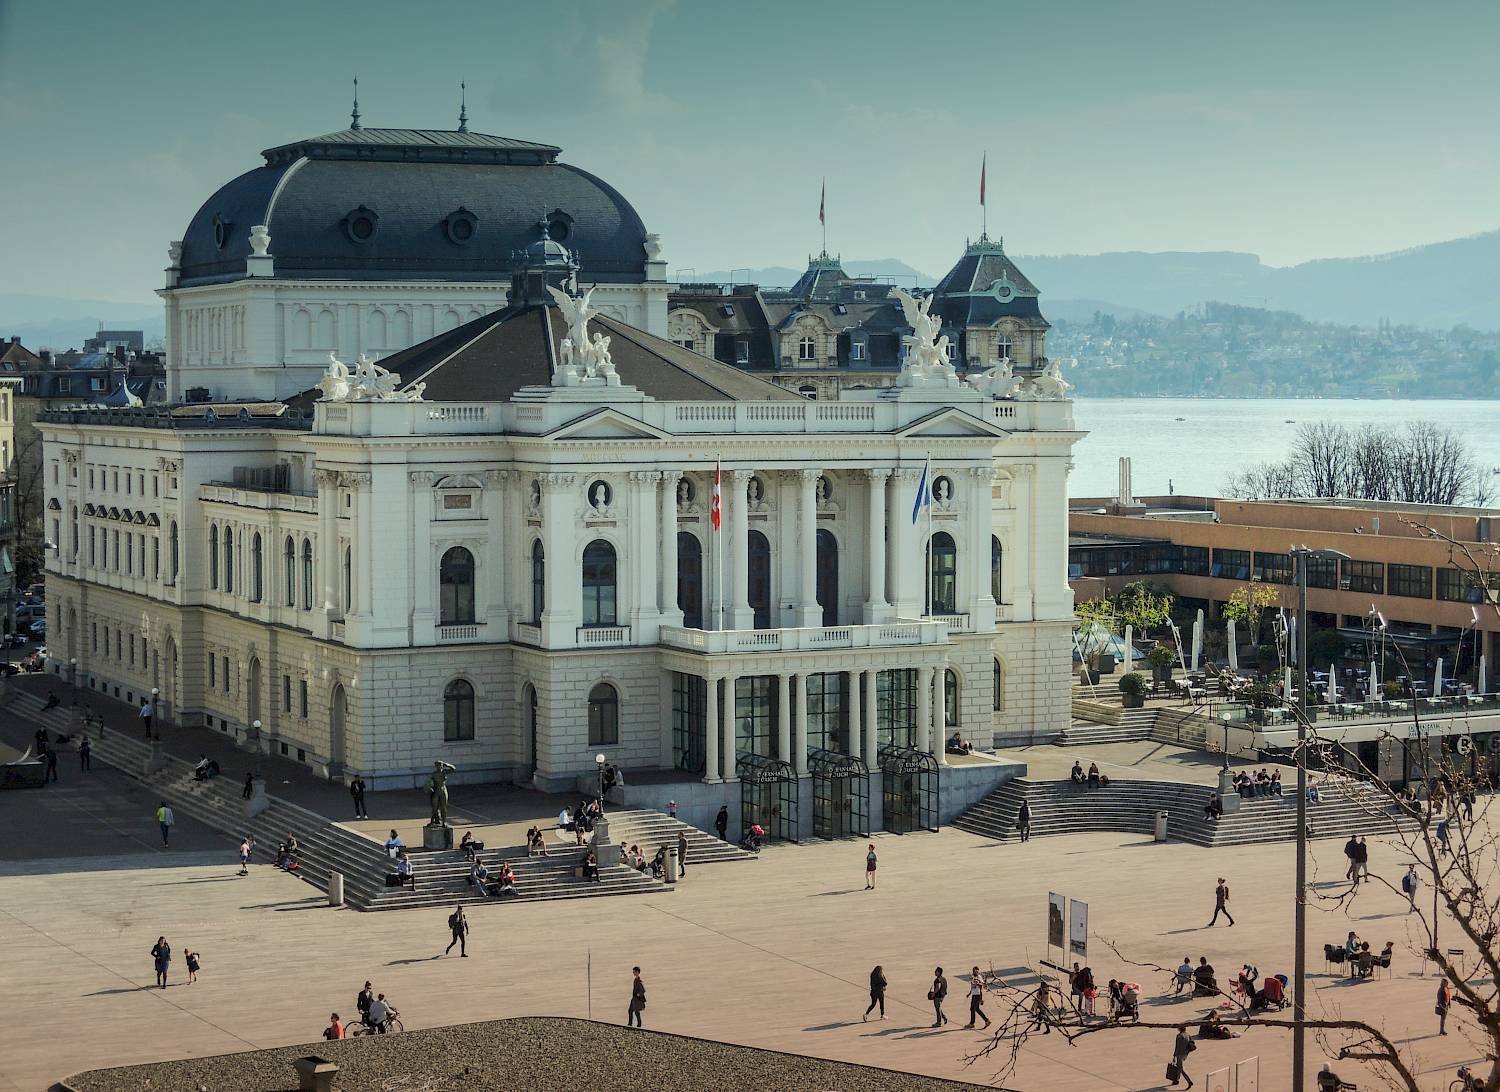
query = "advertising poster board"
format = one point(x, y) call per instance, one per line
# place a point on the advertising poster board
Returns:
point(1078, 928)
point(1056, 921)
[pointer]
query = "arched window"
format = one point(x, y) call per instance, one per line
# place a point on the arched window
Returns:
point(348, 578)
point(999, 702)
point(228, 560)
point(598, 584)
point(456, 581)
point(176, 552)
point(289, 574)
point(950, 696)
point(828, 577)
point(538, 581)
point(257, 569)
point(807, 390)
point(997, 556)
point(604, 716)
point(690, 579)
point(307, 574)
point(759, 586)
point(213, 557)
point(458, 711)
point(807, 349)
point(942, 558)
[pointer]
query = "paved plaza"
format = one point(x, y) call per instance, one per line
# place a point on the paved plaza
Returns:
point(773, 953)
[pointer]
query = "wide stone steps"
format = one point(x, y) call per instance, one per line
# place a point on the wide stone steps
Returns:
point(651, 829)
point(1130, 807)
point(326, 846)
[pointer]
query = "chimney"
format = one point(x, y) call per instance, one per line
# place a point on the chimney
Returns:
point(1126, 500)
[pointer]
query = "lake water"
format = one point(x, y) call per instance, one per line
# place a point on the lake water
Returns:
point(1198, 442)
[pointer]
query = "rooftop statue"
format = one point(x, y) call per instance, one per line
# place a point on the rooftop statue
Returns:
point(368, 382)
point(926, 361)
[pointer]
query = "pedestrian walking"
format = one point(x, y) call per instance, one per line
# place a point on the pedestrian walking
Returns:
point(1221, 903)
point(51, 757)
point(1351, 854)
point(458, 925)
point(148, 714)
point(85, 754)
point(1023, 822)
point(335, 1028)
point(877, 992)
point(192, 959)
point(681, 854)
point(165, 819)
point(249, 789)
point(1444, 1003)
point(976, 998)
point(357, 792)
point(671, 808)
point(161, 956)
point(637, 1000)
point(870, 868)
point(1442, 836)
point(1361, 860)
point(937, 995)
point(247, 844)
point(1041, 1006)
point(1181, 1048)
point(721, 822)
point(1410, 883)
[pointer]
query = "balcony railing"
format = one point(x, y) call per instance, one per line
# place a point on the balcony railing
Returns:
point(458, 634)
point(603, 636)
point(812, 638)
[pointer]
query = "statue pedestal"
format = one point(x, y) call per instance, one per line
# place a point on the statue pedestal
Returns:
point(1227, 794)
point(435, 837)
point(258, 801)
point(605, 851)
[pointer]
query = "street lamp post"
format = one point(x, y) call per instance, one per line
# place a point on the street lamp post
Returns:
point(73, 675)
point(1299, 1010)
point(599, 765)
point(155, 710)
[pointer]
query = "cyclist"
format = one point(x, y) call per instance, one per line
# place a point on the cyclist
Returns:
point(380, 1014)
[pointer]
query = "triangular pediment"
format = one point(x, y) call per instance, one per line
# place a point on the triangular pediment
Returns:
point(606, 424)
point(951, 422)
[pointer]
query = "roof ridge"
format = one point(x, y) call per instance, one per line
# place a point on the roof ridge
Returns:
point(625, 330)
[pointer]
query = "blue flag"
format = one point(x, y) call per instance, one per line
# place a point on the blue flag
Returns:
point(924, 492)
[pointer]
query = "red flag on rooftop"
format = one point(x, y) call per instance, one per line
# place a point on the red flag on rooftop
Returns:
point(715, 505)
point(823, 202)
point(983, 167)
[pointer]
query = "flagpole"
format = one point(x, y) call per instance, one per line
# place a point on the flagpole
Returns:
point(984, 223)
point(719, 535)
point(927, 485)
point(822, 215)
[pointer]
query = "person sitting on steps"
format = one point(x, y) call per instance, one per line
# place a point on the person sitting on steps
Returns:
point(1094, 775)
point(1077, 773)
point(1214, 808)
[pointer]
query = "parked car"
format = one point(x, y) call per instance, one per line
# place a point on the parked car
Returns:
point(10, 669)
point(15, 640)
point(38, 629)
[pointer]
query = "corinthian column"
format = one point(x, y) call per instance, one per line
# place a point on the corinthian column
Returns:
point(671, 613)
point(741, 616)
point(877, 609)
point(809, 613)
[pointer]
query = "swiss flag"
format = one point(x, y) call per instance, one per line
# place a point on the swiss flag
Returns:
point(716, 505)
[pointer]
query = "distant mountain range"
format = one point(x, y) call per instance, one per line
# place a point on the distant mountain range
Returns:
point(56, 322)
point(1439, 286)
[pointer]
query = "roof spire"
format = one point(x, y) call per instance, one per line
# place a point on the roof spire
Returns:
point(463, 108)
point(354, 114)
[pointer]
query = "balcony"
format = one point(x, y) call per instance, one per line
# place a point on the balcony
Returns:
point(455, 635)
point(810, 639)
point(603, 636)
point(956, 623)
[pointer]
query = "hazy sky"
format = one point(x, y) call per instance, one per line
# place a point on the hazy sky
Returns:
point(1291, 130)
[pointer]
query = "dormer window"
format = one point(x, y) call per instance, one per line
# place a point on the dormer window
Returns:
point(856, 350)
point(742, 351)
point(807, 349)
point(361, 224)
point(727, 310)
point(460, 226)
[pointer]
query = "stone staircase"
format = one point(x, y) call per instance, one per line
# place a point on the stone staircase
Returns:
point(1130, 726)
point(1112, 724)
point(1130, 807)
point(650, 829)
point(326, 846)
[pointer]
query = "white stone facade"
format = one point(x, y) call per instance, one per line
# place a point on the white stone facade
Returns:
point(174, 556)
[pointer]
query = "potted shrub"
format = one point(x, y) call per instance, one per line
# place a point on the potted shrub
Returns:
point(1132, 690)
point(1162, 658)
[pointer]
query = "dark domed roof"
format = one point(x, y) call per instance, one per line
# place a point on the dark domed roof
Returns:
point(985, 286)
point(403, 204)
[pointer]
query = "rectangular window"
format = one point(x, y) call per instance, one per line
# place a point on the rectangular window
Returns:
point(91, 477)
point(742, 351)
point(127, 483)
point(302, 698)
point(1365, 576)
point(755, 714)
point(212, 670)
point(1322, 572)
point(689, 722)
point(1194, 561)
point(94, 636)
point(225, 665)
point(132, 650)
point(114, 542)
point(856, 350)
point(828, 711)
point(129, 554)
point(1231, 564)
point(286, 693)
point(1273, 568)
point(1411, 581)
point(896, 707)
point(1463, 586)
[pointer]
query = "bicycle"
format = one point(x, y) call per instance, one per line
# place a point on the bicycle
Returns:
point(1466, 1081)
point(393, 1026)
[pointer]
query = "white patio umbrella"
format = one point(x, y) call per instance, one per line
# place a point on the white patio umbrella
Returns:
point(1482, 680)
point(1333, 685)
point(1234, 655)
point(1437, 679)
point(1197, 640)
point(1286, 684)
point(1129, 649)
point(1374, 683)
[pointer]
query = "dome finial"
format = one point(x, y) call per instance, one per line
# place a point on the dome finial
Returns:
point(354, 114)
point(463, 107)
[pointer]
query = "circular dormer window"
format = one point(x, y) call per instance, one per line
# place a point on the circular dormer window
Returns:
point(460, 226)
point(559, 226)
point(361, 224)
point(221, 230)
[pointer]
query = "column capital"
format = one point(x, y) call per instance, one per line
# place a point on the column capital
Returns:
point(425, 478)
point(359, 479)
point(740, 475)
point(640, 476)
point(876, 474)
point(985, 473)
point(809, 476)
point(498, 477)
point(670, 478)
point(557, 480)
point(907, 473)
point(326, 477)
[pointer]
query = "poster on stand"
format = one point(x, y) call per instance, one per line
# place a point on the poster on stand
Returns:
point(1217, 1081)
point(1056, 918)
point(1078, 928)
point(1247, 1075)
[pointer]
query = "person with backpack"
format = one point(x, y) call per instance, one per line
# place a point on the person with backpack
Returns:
point(937, 995)
point(1181, 1048)
point(1410, 884)
point(1023, 821)
point(458, 925)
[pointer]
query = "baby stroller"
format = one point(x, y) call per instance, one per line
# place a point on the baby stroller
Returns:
point(752, 841)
